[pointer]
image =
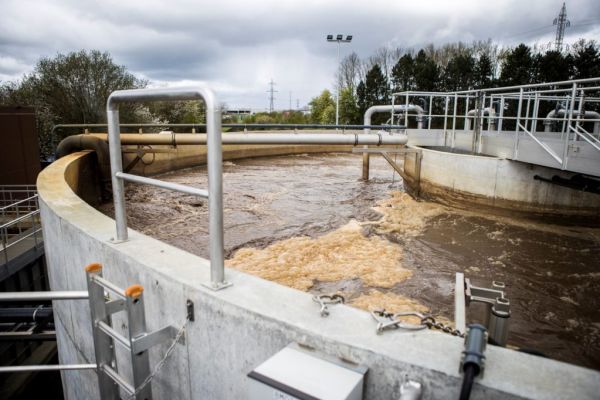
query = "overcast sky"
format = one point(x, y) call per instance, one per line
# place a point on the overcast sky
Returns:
point(236, 47)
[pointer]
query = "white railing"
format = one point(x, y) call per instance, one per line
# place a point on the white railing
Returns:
point(19, 221)
point(547, 112)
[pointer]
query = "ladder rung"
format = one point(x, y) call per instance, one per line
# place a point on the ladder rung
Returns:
point(114, 334)
point(118, 379)
point(115, 306)
point(107, 285)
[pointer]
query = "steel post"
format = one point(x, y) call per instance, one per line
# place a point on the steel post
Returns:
point(568, 133)
point(134, 305)
point(516, 147)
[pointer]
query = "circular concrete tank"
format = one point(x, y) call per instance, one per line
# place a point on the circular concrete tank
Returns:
point(464, 180)
point(241, 326)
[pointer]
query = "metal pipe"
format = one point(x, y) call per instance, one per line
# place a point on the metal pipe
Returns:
point(25, 314)
point(397, 107)
point(74, 143)
point(402, 139)
point(214, 164)
point(34, 368)
point(242, 126)
point(549, 120)
point(260, 138)
point(459, 302)
point(162, 184)
point(489, 111)
point(42, 296)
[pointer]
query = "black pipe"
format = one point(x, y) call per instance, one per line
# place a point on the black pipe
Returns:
point(26, 314)
point(576, 182)
point(473, 358)
point(74, 143)
point(470, 372)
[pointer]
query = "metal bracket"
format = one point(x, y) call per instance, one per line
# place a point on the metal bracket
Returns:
point(217, 286)
point(498, 307)
point(151, 339)
point(189, 305)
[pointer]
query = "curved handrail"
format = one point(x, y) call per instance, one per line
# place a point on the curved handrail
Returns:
point(214, 164)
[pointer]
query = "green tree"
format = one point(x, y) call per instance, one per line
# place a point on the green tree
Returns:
point(321, 108)
point(361, 98)
point(517, 66)
point(459, 73)
point(72, 88)
point(483, 72)
point(376, 87)
point(552, 66)
point(426, 72)
point(349, 113)
point(178, 112)
point(586, 59)
point(403, 74)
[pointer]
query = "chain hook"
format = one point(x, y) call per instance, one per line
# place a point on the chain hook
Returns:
point(386, 320)
point(325, 299)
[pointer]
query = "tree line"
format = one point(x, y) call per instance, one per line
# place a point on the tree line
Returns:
point(73, 89)
point(452, 67)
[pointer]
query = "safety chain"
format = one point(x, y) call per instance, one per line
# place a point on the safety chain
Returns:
point(160, 364)
point(431, 323)
point(387, 320)
point(326, 299)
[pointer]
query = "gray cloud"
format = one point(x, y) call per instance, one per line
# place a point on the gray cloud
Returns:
point(237, 47)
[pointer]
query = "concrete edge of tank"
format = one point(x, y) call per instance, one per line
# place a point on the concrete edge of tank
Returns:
point(463, 180)
point(238, 328)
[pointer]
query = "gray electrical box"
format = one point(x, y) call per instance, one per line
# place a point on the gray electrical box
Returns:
point(297, 373)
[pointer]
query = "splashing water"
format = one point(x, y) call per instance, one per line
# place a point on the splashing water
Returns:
point(308, 222)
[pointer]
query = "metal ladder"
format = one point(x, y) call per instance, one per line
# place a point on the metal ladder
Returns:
point(137, 343)
point(106, 299)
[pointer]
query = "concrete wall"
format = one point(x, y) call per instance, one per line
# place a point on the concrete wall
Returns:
point(460, 180)
point(239, 327)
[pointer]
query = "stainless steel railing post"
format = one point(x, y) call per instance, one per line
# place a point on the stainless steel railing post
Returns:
point(214, 164)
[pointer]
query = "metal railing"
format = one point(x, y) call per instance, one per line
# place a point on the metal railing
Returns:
point(19, 220)
point(34, 297)
point(585, 135)
point(554, 115)
point(214, 167)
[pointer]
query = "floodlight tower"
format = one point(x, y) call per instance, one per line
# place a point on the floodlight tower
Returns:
point(561, 23)
point(339, 39)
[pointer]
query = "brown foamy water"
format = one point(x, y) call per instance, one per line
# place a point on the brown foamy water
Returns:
point(310, 223)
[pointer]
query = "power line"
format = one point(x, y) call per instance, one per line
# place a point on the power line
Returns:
point(527, 32)
point(271, 92)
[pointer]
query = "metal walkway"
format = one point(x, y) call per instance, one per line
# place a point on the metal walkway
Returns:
point(553, 124)
point(20, 228)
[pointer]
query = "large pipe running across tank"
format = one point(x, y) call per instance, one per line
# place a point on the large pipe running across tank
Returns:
point(177, 139)
point(550, 118)
point(367, 121)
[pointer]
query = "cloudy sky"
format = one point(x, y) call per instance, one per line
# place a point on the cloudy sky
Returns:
point(236, 47)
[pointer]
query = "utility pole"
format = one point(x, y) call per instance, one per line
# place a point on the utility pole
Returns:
point(290, 101)
point(561, 23)
point(271, 92)
point(297, 104)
